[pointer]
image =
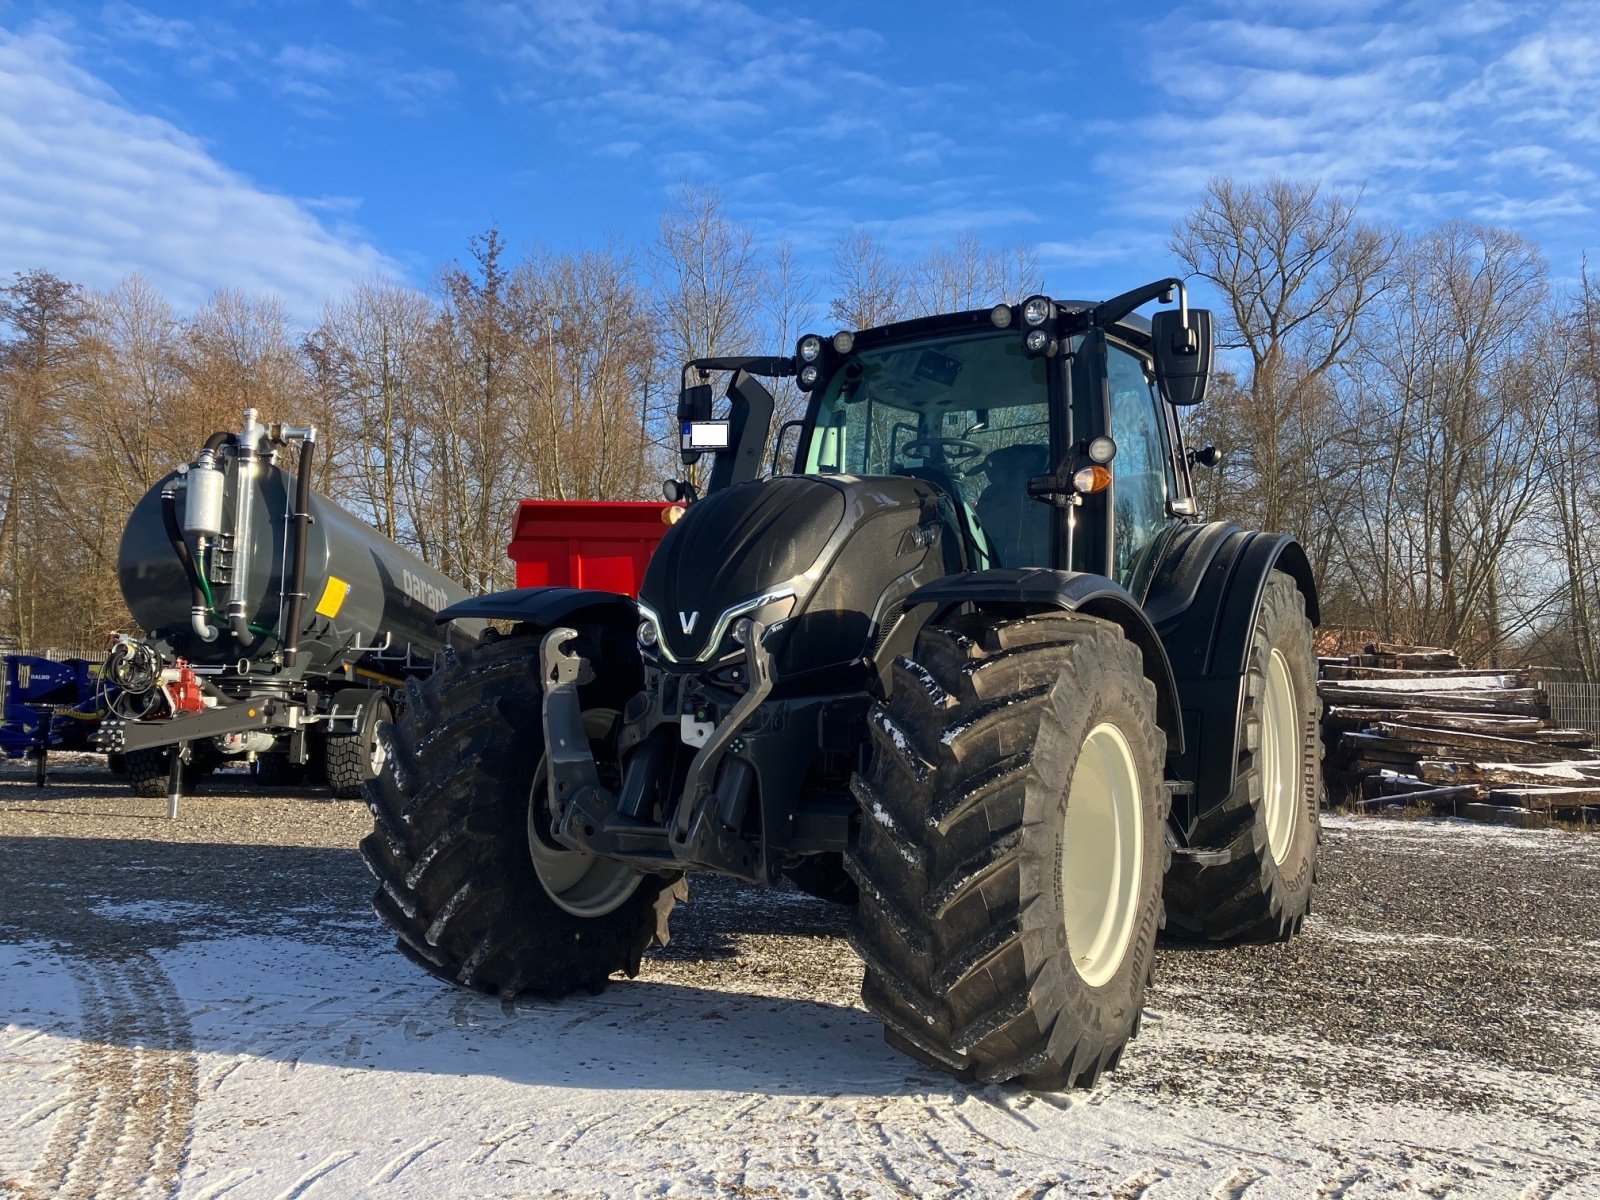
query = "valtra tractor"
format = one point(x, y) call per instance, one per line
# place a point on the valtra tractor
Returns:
point(974, 663)
point(279, 628)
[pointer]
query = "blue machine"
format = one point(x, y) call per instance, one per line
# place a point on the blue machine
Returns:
point(50, 705)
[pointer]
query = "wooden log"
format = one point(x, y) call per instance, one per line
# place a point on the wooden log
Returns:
point(1546, 797)
point(1510, 678)
point(1499, 814)
point(1525, 702)
point(1559, 774)
point(1410, 683)
point(1581, 738)
point(1346, 717)
point(1414, 737)
point(1403, 648)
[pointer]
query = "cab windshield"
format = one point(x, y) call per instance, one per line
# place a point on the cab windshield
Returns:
point(969, 412)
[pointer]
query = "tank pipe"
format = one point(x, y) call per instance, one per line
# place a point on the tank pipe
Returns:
point(297, 572)
point(245, 461)
point(203, 629)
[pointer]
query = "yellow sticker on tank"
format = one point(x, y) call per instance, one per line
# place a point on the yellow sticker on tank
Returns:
point(333, 597)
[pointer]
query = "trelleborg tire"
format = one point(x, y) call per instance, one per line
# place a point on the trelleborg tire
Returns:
point(1012, 847)
point(1269, 824)
point(454, 851)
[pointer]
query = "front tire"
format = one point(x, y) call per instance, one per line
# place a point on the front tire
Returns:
point(457, 881)
point(1270, 823)
point(1012, 847)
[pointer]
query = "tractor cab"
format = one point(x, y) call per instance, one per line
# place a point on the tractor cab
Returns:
point(1049, 426)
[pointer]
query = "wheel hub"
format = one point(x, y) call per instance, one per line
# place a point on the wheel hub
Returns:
point(1280, 756)
point(581, 884)
point(1102, 855)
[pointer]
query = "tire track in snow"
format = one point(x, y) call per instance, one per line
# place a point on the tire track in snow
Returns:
point(125, 1125)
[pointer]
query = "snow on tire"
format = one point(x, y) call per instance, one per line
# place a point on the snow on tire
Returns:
point(1005, 763)
point(457, 881)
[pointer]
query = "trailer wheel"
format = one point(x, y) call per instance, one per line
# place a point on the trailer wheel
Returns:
point(147, 772)
point(1270, 823)
point(469, 883)
point(354, 758)
point(1012, 846)
point(274, 770)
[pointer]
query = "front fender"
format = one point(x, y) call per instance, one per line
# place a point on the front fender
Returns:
point(544, 606)
point(1015, 591)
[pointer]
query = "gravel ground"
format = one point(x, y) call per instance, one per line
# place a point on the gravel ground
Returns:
point(1434, 1031)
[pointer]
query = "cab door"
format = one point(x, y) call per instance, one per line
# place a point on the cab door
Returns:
point(1144, 483)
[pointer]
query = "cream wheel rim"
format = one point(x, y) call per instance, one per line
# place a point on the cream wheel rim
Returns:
point(1280, 756)
point(581, 884)
point(1102, 860)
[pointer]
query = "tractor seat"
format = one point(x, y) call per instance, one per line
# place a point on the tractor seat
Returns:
point(1019, 528)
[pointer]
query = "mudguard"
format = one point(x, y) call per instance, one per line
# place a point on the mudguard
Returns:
point(1012, 591)
point(545, 606)
point(1203, 601)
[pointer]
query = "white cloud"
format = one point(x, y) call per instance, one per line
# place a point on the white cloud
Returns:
point(92, 190)
point(1493, 104)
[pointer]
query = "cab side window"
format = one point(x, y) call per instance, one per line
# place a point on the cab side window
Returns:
point(1142, 482)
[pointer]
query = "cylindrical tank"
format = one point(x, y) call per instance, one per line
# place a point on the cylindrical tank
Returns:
point(359, 585)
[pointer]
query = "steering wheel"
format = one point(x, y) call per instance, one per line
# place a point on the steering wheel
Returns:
point(950, 450)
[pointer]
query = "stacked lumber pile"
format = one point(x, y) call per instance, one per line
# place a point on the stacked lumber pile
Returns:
point(1408, 726)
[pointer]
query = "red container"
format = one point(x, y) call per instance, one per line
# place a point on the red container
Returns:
point(602, 544)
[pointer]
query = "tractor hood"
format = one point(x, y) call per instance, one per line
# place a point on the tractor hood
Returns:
point(827, 555)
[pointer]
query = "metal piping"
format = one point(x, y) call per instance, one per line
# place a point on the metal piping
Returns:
point(301, 522)
point(243, 511)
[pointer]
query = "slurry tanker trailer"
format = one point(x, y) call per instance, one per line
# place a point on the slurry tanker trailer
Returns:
point(280, 629)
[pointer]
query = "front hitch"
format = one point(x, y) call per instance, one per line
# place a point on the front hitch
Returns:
point(574, 777)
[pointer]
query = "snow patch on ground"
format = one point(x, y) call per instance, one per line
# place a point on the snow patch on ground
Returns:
point(335, 1070)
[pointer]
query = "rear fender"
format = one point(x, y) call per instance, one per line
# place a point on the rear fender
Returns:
point(1013, 592)
point(1203, 602)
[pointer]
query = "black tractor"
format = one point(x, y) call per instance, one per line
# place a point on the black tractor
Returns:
point(974, 665)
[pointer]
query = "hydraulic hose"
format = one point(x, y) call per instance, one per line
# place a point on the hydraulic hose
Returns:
point(220, 439)
point(200, 605)
point(297, 571)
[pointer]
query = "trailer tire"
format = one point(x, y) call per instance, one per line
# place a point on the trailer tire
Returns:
point(1269, 824)
point(354, 758)
point(1011, 851)
point(148, 771)
point(274, 770)
point(457, 879)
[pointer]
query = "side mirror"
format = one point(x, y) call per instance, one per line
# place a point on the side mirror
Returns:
point(694, 404)
point(1182, 356)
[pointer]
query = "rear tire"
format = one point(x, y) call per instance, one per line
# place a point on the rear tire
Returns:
point(1270, 823)
point(450, 847)
point(354, 758)
point(1012, 846)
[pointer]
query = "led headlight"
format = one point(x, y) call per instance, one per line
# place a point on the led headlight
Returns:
point(1036, 341)
point(648, 636)
point(844, 341)
point(1102, 450)
point(808, 377)
point(809, 349)
point(1036, 310)
point(1000, 314)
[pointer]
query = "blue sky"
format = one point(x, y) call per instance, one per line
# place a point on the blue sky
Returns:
point(295, 146)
